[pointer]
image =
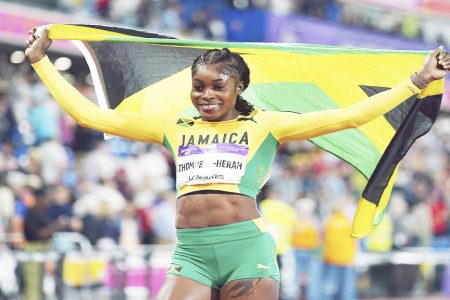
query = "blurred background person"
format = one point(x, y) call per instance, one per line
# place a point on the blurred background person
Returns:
point(339, 277)
point(38, 231)
point(307, 244)
point(279, 218)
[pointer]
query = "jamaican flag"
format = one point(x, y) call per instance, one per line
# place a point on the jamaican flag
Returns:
point(147, 73)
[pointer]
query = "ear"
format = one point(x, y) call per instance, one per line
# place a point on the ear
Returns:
point(240, 88)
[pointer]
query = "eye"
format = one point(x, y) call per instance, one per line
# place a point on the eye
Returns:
point(219, 87)
point(197, 88)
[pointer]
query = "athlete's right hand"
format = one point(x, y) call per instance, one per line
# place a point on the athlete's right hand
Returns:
point(37, 45)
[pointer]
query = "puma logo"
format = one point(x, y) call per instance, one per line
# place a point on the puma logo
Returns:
point(248, 119)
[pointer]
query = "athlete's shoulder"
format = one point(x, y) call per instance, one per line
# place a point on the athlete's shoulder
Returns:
point(250, 117)
point(258, 116)
point(270, 115)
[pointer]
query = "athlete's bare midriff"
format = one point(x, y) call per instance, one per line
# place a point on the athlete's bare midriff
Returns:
point(205, 210)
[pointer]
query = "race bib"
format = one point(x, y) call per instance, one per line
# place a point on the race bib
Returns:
point(214, 163)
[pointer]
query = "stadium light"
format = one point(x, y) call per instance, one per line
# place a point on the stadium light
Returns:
point(17, 57)
point(63, 63)
point(241, 4)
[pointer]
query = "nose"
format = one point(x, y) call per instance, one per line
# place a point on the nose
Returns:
point(208, 94)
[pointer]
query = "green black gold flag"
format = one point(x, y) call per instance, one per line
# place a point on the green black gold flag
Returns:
point(148, 73)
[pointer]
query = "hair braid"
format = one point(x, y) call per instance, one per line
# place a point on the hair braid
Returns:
point(243, 106)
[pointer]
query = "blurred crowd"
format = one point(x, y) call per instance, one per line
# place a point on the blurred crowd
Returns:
point(204, 19)
point(115, 189)
point(114, 184)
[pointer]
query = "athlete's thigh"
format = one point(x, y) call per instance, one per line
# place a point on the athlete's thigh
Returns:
point(250, 289)
point(182, 288)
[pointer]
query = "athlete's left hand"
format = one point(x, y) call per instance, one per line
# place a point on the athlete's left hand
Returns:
point(435, 66)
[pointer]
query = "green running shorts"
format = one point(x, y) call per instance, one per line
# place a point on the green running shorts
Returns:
point(214, 256)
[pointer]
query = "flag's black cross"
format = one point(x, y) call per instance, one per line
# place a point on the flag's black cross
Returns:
point(396, 115)
point(410, 121)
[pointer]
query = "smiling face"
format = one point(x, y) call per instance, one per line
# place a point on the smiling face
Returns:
point(214, 94)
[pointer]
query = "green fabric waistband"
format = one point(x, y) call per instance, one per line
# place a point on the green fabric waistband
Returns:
point(220, 234)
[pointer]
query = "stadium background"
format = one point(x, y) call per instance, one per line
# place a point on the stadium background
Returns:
point(122, 192)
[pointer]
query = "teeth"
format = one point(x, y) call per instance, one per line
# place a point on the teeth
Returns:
point(210, 106)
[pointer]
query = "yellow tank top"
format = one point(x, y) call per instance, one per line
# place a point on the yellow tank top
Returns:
point(279, 218)
point(305, 235)
point(339, 246)
point(381, 239)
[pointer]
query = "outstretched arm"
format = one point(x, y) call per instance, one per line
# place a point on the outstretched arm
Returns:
point(87, 114)
point(292, 126)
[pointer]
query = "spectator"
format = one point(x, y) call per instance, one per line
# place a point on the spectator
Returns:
point(421, 211)
point(171, 21)
point(129, 235)
point(8, 123)
point(306, 240)
point(99, 206)
point(280, 218)
point(38, 231)
point(440, 215)
point(339, 281)
point(163, 216)
point(100, 164)
point(8, 161)
point(103, 7)
point(43, 116)
point(381, 239)
point(6, 208)
point(60, 203)
point(53, 161)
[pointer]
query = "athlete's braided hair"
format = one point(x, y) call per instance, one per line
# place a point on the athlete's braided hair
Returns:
point(228, 63)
